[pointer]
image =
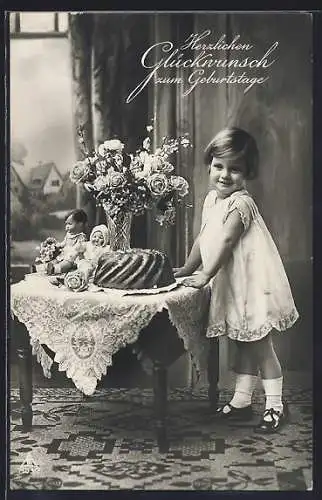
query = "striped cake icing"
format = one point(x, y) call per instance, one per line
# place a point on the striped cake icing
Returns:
point(134, 269)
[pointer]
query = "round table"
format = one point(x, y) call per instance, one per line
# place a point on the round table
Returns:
point(85, 329)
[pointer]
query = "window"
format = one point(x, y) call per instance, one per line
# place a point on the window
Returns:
point(40, 59)
point(38, 24)
point(55, 183)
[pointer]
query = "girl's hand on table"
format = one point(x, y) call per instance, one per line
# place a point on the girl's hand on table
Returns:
point(179, 272)
point(197, 280)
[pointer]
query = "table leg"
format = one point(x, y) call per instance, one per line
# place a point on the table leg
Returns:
point(213, 373)
point(25, 384)
point(160, 405)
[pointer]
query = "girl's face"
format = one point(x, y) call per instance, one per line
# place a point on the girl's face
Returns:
point(226, 176)
point(97, 239)
point(73, 227)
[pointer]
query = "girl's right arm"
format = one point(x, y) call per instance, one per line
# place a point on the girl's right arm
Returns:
point(192, 263)
point(222, 251)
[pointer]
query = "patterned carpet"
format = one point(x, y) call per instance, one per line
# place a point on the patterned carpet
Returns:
point(107, 442)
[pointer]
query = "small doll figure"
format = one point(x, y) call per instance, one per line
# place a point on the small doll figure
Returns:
point(72, 245)
point(97, 245)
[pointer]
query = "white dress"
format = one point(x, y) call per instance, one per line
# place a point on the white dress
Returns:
point(251, 294)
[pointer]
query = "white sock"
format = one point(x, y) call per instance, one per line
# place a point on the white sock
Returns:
point(273, 391)
point(244, 388)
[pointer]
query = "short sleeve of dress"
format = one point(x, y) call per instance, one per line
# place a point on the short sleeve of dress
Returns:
point(246, 208)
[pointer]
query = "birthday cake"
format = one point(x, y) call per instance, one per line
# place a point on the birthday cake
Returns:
point(134, 269)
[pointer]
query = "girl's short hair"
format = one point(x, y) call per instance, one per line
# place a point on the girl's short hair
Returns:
point(234, 143)
point(78, 215)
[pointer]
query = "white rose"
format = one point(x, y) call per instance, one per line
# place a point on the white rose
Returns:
point(179, 184)
point(118, 159)
point(146, 160)
point(114, 145)
point(185, 142)
point(162, 166)
point(101, 182)
point(76, 281)
point(156, 163)
point(102, 150)
point(143, 156)
point(158, 184)
point(147, 144)
point(117, 179)
point(79, 172)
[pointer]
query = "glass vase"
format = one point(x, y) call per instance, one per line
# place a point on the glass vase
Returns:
point(40, 268)
point(120, 230)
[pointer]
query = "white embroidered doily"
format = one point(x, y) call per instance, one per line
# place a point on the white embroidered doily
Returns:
point(86, 329)
point(137, 291)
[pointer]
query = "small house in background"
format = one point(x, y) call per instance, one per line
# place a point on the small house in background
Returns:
point(19, 178)
point(45, 178)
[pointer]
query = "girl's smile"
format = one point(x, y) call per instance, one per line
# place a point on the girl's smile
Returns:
point(226, 176)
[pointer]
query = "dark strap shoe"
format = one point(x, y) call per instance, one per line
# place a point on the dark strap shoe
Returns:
point(229, 412)
point(277, 420)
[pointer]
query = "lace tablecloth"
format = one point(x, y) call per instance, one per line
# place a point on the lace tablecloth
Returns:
point(86, 329)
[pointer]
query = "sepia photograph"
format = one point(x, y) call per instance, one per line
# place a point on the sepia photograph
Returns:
point(160, 176)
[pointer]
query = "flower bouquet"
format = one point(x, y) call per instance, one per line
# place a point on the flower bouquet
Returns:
point(128, 184)
point(48, 251)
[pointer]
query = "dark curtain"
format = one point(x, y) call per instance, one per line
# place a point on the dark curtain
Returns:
point(174, 116)
point(105, 51)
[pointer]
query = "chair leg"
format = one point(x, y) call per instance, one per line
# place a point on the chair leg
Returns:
point(160, 405)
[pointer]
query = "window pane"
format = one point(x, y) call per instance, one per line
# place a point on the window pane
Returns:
point(37, 21)
point(41, 103)
point(63, 21)
point(12, 20)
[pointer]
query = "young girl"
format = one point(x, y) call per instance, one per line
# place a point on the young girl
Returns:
point(75, 226)
point(250, 291)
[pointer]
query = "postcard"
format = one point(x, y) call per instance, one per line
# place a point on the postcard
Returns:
point(161, 253)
